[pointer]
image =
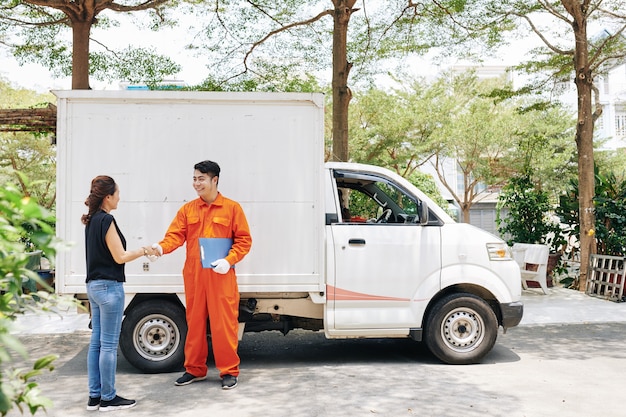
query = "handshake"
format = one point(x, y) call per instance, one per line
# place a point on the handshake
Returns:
point(221, 266)
point(153, 253)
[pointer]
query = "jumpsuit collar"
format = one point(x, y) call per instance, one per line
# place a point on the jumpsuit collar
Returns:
point(219, 200)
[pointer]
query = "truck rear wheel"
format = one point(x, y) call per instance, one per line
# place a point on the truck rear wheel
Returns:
point(461, 329)
point(153, 336)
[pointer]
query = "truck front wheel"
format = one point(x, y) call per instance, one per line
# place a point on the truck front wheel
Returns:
point(461, 329)
point(153, 336)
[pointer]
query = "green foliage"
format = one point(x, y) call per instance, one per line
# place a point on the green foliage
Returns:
point(527, 219)
point(544, 143)
point(132, 64)
point(30, 154)
point(42, 33)
point(21, 215)
point(230, 38)
point(284, 81)
point(426, 183)
point(600, 22)
point(610, 212)
point(250, 37)
point(461, 119)
point(17, 388)
point(394, 129)
point(610, 206)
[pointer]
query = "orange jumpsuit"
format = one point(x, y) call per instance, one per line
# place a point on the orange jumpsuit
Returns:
point(207, 293)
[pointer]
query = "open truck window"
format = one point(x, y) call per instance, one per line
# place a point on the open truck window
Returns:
point(372, 199)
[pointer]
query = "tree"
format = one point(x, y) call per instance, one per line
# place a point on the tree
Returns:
point(490, 141)
point(477, 139)
point(544, 148)
point(394, 129)
point(527, 219)
point(241, 30)
point(259, 36)
point(610, 203)
point(33, 30)
point(570, 51)
point(457, 124)
point(27, 159)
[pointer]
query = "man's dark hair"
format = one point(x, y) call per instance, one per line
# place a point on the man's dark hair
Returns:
point(208, 167)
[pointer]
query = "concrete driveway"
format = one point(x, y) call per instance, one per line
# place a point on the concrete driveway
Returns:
point(564, 359)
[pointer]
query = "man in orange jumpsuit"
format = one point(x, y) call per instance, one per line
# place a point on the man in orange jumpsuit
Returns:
point(209, 292)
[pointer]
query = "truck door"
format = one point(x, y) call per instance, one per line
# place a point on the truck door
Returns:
point(383, 254)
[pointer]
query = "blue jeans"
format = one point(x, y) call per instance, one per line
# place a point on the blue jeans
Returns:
point(106, 299)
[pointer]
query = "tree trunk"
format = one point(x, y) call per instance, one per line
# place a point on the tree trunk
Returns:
point(80, 53)
point(341, 69)
point(584, 144)
point(465, 209)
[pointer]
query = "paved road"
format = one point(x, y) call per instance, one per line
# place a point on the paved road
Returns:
point(574, 369)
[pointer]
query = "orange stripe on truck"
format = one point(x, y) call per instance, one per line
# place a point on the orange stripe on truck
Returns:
point(339, 294)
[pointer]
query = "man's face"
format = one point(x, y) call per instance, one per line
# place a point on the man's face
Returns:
point(204, 184)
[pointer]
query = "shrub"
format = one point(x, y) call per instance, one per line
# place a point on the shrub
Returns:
point(528, 219)
point(21, 216)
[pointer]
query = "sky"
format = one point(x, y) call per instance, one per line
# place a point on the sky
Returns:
point(170, 42)
point(32, 77)
point(38, 78)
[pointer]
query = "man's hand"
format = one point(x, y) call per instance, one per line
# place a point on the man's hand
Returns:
point(221, 266)
point(158, 249)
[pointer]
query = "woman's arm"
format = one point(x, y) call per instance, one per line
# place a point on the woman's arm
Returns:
point(120, 255)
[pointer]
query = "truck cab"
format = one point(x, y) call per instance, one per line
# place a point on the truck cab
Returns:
point(401, 267)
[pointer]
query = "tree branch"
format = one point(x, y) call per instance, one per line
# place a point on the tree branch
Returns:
point(554, 12)
point(146, 5)
point(284, 28)
point(612, 14)
point(541, 36)
point(605, 42)
point(275, 32)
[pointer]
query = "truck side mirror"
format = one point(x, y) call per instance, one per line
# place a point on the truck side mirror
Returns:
point(423, 212)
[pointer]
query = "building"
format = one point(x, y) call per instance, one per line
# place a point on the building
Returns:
point(612, 124)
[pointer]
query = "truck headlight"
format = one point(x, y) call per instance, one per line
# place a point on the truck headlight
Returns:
point(499, 251)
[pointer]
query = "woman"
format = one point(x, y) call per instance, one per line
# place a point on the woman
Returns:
point(106, 255)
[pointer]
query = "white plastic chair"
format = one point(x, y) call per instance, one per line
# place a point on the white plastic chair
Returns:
point(526, 254)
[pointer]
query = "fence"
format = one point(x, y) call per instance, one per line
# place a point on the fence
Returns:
point(606, 276)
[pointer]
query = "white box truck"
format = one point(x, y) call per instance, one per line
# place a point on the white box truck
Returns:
point(352, 250)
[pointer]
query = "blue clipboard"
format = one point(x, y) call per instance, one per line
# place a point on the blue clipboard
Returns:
point(213, 248)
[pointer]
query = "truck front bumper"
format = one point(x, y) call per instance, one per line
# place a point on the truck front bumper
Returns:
point(511, 313)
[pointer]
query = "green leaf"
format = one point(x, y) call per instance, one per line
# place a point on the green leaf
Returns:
point(45, 362)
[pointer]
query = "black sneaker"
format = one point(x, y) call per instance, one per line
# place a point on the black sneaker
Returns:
point(117, 403)
point(229, 382)
point(187, 379)
point(93, 404)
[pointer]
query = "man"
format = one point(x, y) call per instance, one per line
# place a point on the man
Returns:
point(209, 292)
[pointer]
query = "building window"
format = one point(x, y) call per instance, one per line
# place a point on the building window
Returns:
point(620, 124)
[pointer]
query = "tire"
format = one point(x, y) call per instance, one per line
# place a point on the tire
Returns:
point(461, 329)
point(153, 336)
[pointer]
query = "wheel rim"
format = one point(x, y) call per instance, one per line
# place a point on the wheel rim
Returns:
point(156, 337)
point(462, 330)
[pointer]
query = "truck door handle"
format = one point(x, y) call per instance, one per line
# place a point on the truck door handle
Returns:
point(356, 242)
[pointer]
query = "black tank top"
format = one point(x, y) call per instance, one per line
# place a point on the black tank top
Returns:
point(100, 262)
